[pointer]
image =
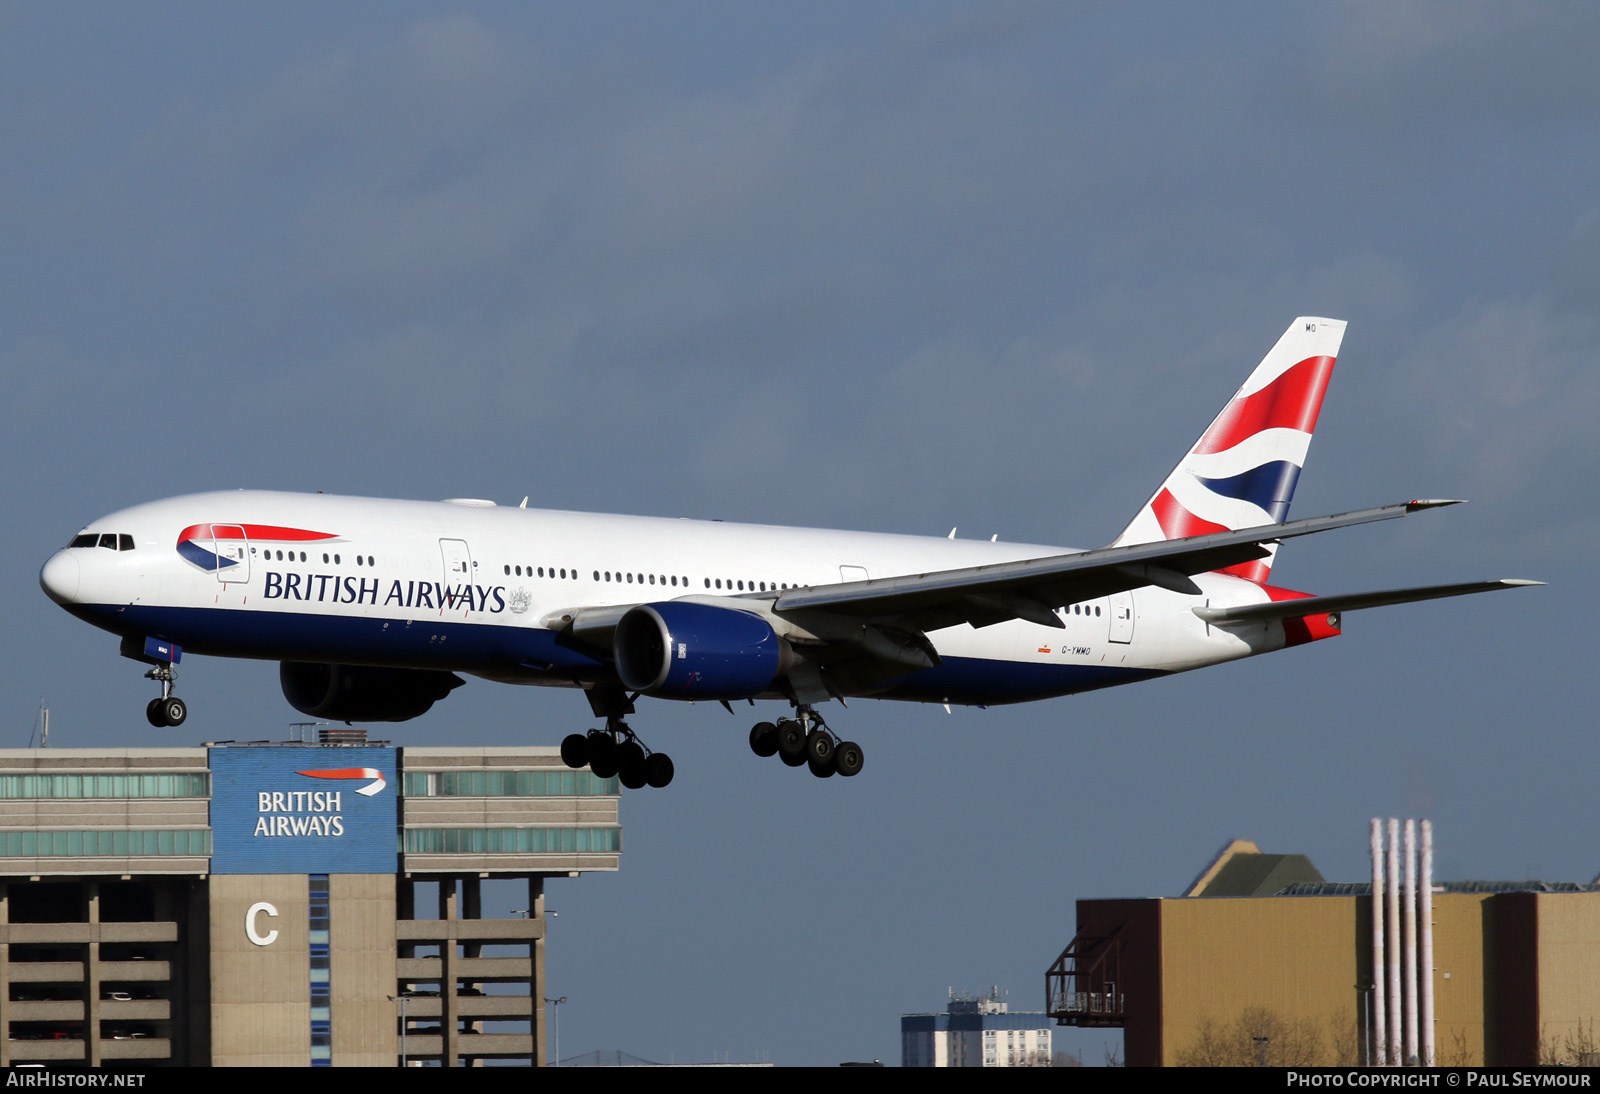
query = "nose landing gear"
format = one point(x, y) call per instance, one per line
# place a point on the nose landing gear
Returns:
point(169, 710)
point(161, 656)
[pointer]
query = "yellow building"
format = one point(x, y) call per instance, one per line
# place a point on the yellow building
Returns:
point(1263, 962)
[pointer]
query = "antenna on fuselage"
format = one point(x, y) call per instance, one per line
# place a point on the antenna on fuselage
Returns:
point(524, 504)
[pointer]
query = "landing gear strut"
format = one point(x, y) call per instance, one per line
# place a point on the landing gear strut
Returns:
point(616, 751)
point(806, 741)
point(169, 710)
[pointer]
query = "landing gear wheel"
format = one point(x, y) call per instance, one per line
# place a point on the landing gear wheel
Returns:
point(792, 742)
point(821, 771)
point(575, 750)
point(602, 755)
point(630, 764)
point(154, 715)
point(174, 710)
point(657, 769)
point(819, 750)
point(764, 739)
point(847, 758)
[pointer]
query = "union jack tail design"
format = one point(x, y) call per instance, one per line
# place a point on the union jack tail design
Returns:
point(1242, 471)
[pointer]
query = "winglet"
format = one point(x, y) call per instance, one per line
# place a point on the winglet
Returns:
point(1432, 503)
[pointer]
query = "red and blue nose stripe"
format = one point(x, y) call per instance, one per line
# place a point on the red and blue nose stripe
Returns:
point(189, 547)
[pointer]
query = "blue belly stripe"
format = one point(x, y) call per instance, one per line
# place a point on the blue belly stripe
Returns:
point(495, 649)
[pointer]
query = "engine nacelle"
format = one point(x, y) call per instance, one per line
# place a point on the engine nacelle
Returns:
point(361, 693)
point(679, 650)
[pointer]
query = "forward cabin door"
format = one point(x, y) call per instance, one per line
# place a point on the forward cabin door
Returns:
point(230, 545)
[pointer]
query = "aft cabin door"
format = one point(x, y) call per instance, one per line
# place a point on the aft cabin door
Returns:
point(1121, 617)
point(231, 546)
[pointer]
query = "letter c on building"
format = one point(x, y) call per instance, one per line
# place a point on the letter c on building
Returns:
point(250, 924)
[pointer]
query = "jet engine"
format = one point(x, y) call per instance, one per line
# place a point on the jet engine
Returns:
point(678, 650)
point(361, 693)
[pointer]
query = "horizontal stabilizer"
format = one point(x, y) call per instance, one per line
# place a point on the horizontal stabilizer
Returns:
point(1349, 602)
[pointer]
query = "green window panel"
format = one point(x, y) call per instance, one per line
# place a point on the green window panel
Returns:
point(509, 841)
point(507, 784)
point(105, 841)
point(188, 784)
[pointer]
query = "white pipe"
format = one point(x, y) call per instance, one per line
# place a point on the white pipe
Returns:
point(1392, 914)
point(1378, 1035)
point(1409, 912)
point(1426, 915)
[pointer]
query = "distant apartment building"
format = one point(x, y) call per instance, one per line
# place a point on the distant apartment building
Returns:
point(975, 1032)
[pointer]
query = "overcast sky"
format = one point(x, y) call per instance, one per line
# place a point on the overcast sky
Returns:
point(893, 266)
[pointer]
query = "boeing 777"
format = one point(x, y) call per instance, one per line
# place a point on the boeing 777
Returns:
point(374, 606)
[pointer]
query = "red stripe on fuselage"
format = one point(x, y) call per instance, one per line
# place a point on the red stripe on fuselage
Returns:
point(1298, 630)
point(1292, 401)
point(253, 531)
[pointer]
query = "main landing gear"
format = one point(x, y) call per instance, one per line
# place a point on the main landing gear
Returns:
point(169, 710)
point(806, 740)
point(617, 751)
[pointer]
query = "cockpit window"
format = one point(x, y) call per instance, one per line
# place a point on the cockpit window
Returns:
point(111, 541)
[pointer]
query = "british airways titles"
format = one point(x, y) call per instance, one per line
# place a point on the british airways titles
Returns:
point(349, 589)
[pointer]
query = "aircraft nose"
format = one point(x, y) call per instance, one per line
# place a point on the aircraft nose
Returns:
point(59, 578)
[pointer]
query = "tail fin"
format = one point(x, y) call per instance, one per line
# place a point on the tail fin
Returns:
point(1242, 471)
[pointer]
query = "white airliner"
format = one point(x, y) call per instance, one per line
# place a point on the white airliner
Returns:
point(373, 606)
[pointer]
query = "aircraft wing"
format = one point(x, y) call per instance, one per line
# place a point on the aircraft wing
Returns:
point(1032, 588)
point(1349, 602)
point(888, 618)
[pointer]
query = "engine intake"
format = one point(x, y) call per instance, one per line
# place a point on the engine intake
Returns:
point(680, 650)
point(361, 693)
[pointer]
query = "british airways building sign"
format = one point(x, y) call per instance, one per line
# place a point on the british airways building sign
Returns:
point(300, 810)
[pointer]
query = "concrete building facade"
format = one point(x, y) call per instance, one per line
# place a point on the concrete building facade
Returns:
point(275, 904)
point(1261, 964)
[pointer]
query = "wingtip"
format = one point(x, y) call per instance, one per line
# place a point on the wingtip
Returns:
point(1432, 503)
point(1514, 582)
